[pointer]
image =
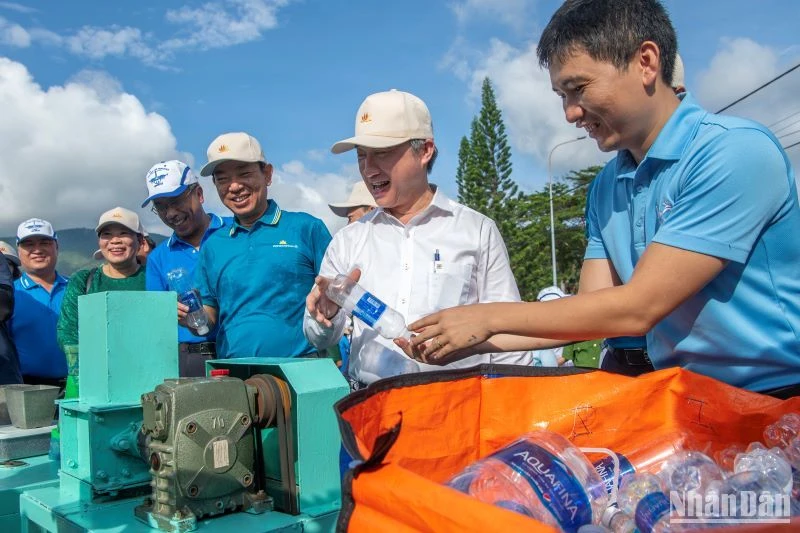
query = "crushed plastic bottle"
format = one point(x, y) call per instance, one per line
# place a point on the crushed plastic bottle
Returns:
point(180, 281)
point(772, 463)
point(783, 431)
point(689, 474)
point(351, 297)
point(541, 475)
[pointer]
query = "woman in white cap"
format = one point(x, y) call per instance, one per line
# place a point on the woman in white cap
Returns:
point(119, 238)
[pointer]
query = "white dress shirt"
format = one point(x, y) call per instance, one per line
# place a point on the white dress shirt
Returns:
point(398, 265)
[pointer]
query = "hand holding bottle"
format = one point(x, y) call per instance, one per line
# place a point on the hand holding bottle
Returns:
point(319, 305)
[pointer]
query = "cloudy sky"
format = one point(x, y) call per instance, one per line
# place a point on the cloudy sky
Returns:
point(94, 93)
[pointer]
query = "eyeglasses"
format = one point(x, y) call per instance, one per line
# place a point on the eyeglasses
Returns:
point(176, 202)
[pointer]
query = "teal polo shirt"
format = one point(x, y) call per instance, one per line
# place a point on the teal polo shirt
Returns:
point(33, 327)
point(258, 279)
point(720, 186)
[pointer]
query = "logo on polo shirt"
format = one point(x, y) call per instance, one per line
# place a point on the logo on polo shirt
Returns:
point(284, 244)
point(666, 207)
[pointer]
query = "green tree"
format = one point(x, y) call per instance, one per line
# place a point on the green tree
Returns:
point(484, 178)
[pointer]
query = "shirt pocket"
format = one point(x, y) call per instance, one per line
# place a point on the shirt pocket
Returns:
point(448, 285)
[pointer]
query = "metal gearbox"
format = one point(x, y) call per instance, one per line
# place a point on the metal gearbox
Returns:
point(201, 451)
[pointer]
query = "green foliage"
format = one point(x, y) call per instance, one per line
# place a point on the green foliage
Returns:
point(484, 183)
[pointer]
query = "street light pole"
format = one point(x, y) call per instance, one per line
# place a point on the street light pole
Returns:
point(552, 217)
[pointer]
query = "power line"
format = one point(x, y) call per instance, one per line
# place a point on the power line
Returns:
point(791, 145)
point(786, 127)
point(788, 134)
point(754, 91)
point(787, 117)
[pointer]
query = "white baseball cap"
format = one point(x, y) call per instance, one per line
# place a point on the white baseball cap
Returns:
point(550, 293)
point(120, 215)
point(232, 147)
point(387, 119)
point(10, 253)
point(168, 179)
point(359, 196)
point(35, 227)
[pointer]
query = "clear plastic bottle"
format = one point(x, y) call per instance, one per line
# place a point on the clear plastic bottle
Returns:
point(351, 297)
point(540, 475)
point(642, 497)
point(740, 489)
point(689, 474)
point(773, 463)
point(783, 431)
point(180, 281)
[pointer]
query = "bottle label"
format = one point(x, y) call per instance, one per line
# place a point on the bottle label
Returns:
point(650, 510)
point(555, 485)
point(369, 309)
point(192, 300)
point(605, 469)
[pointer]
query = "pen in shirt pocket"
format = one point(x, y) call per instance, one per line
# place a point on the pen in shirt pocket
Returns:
point(436, 259)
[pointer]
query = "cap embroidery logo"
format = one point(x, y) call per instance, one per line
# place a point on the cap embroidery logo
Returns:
point(116, 214)
point(222, 148)
point(157, 179)
point(366, 118)
point(34, 226)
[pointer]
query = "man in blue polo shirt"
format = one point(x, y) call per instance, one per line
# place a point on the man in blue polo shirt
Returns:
point(692, 227)
point(178, 201)
point(254, 276)
point(38, 295)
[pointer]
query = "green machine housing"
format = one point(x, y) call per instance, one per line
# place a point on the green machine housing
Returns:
point(280, 451)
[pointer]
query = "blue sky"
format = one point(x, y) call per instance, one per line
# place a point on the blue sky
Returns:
point(95, 92)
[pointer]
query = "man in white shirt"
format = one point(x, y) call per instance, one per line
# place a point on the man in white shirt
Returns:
point(419, 251)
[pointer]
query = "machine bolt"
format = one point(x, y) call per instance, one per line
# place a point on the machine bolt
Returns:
point(123, 444)
point(247, 479)
point(193, 490)
point(101, 475)
point(72, 463)
point(125, 472)
point(220, 505)
point(245, 420)
point(191, 427)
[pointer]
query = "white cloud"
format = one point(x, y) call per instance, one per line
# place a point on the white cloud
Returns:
point(19, 8)
point(297, 188)
point(13, 34)
point(531, 111)
point(514, 13)
point(212, 25)
point(70, 152)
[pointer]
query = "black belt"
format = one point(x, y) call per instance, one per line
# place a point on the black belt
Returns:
point(206, 348)
point(631, 356)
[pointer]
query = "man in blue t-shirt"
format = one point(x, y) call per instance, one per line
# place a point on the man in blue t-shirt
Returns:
point(692, 227)
point(253, 277)
point(177, 199)
point(38, 295)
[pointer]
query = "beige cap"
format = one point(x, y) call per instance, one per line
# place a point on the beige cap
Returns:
point(678, 74)
point(120, 215)
point(10, 253)
point(232, 147)
point(359, 196)
point(388, 119)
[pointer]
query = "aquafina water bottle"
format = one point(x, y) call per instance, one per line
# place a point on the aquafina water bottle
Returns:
point(181, 282)
point(541, 475)
point(351, 297)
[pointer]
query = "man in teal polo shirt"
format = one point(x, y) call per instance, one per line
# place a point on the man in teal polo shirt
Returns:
point(692, 227)
point(253, 277)
point(38, 296)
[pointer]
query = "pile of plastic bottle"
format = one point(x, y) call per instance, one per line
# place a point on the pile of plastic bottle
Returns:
point(543, 476)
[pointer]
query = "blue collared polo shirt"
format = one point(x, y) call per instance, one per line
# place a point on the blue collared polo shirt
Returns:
point(720, 186)
point(258, 278)
point(33, 327)
point(176, 253)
